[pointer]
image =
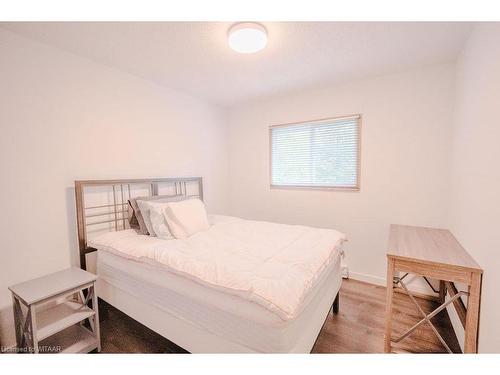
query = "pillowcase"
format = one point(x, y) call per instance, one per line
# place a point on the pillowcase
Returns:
point(132, 217)
point(142, 218)
point(136, 217)
point(186, 218)
point(146, 205)
point(158, 221)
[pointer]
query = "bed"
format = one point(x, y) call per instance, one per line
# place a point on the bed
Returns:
point(241, 286)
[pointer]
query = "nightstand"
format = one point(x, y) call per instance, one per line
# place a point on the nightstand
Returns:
point(57, 313)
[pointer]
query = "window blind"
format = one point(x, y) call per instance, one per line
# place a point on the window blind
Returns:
point(316, 154)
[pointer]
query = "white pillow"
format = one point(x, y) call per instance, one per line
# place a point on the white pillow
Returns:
point(145, 206)
point(159, 222)
point(186, 218)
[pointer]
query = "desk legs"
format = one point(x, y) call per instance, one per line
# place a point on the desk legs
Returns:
point(442, 291)
point(388, 305)
point(472, 318)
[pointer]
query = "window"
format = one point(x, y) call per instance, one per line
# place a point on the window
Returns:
point(317, 154)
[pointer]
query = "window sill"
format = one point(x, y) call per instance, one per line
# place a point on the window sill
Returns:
point(325, 188)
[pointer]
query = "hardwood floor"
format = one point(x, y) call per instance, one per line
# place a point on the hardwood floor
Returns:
point(122, 334)
point(358, 328)
point(360, 325)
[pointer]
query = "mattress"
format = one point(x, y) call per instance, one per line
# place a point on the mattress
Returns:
point(273, 265)
point(226, 315)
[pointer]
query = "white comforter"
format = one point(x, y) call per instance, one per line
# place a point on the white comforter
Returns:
point(274, 265)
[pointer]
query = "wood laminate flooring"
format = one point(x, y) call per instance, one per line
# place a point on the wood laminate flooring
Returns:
point(358, 328)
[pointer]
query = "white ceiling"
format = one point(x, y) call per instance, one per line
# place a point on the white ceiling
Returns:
point(194, 56)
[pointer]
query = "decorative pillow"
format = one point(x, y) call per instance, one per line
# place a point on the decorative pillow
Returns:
point(142, 218)
point(186, 218)
point(136, 217)
point(132, 218)
point(158, 221)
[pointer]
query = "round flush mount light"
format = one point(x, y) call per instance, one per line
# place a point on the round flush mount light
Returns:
point(247, 37)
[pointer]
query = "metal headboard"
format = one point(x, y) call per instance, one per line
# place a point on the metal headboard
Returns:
point(115, 214)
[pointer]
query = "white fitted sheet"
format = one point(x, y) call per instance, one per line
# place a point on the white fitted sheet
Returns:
point(226, 315)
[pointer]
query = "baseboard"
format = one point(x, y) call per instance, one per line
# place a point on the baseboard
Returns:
point(367, 278)
point(415, 284)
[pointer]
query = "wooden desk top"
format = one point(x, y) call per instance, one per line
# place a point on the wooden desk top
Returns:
point(44, 287)
point(429, 245)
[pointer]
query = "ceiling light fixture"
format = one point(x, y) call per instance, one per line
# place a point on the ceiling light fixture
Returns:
point(247, 37)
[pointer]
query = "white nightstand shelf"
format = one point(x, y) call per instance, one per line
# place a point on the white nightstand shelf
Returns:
point(51, 313)
point(60, 317)
point(75, 339)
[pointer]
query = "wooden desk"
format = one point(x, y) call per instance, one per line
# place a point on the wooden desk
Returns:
point(433, 253)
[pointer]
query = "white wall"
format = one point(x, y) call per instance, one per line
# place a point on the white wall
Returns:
point(404, 168)
point(475, 178)
point(64, 118)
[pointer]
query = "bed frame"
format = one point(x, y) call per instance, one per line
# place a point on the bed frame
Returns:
point(188, 336)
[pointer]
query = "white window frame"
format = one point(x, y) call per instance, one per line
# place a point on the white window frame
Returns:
point(355, 188)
